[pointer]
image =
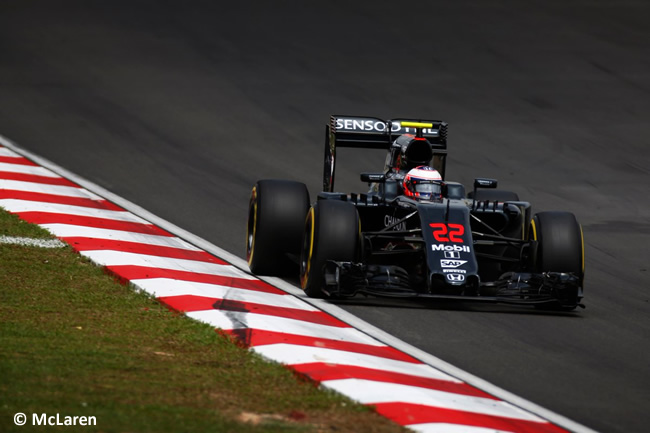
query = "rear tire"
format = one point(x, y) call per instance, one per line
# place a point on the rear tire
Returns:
point(332, 232)
point(276, 217)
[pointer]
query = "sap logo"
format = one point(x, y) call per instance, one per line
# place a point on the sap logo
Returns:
point(456, 277)
point(443, 247)
point(452, 263)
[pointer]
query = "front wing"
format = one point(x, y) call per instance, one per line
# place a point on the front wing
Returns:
point(346, 279)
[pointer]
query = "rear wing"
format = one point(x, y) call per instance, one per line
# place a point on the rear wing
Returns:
point(375, 133)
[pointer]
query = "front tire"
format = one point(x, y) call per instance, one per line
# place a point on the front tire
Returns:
point(560, 244)
point(276, 216)
point(332, 232)
point(560, 248)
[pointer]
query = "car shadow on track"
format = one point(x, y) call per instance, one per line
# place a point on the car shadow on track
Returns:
point(450, 305)
point(442, 304)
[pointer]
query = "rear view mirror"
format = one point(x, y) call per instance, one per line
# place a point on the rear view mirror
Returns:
point(481, 182)
point(373, 177)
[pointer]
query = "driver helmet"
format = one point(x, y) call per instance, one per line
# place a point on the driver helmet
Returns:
point(423, 183)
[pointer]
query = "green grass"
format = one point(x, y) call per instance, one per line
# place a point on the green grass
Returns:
point(76, 342)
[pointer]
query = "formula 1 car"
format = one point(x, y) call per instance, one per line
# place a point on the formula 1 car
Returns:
point(484, 246)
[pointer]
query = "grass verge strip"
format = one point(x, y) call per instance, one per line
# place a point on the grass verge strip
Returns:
point(75, 342)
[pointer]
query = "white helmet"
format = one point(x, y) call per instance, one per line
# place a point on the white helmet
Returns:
point(423, 183)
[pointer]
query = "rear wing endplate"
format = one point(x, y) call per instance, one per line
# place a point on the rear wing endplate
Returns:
point(375, 133)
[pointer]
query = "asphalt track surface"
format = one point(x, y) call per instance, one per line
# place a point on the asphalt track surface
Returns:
point(181, 106)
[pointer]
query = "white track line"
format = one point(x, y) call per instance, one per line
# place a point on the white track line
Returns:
point(32, 242)
point(232, 320)
point(162, 287)
point(370, 392)
point(17, 206)
point(121, 258)
point(452, 428)
point(70, 231)
point(291, 354)
point(67, 191)
point(28, 169)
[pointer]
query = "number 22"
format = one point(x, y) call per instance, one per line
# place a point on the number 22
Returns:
point(448, 232)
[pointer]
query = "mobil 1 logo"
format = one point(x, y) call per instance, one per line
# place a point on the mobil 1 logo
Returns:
point(452, 250)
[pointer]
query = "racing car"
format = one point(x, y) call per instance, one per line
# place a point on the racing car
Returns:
point(413, 233)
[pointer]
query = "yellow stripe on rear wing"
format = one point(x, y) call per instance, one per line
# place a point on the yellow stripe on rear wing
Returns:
point(416, 125)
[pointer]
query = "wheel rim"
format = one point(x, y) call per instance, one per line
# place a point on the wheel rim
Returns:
point(307, 249)
point(251, 227)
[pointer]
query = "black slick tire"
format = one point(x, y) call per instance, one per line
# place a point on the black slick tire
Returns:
point(560, 245)
point(276, 217)
point(560, 248)
point(332, 232)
